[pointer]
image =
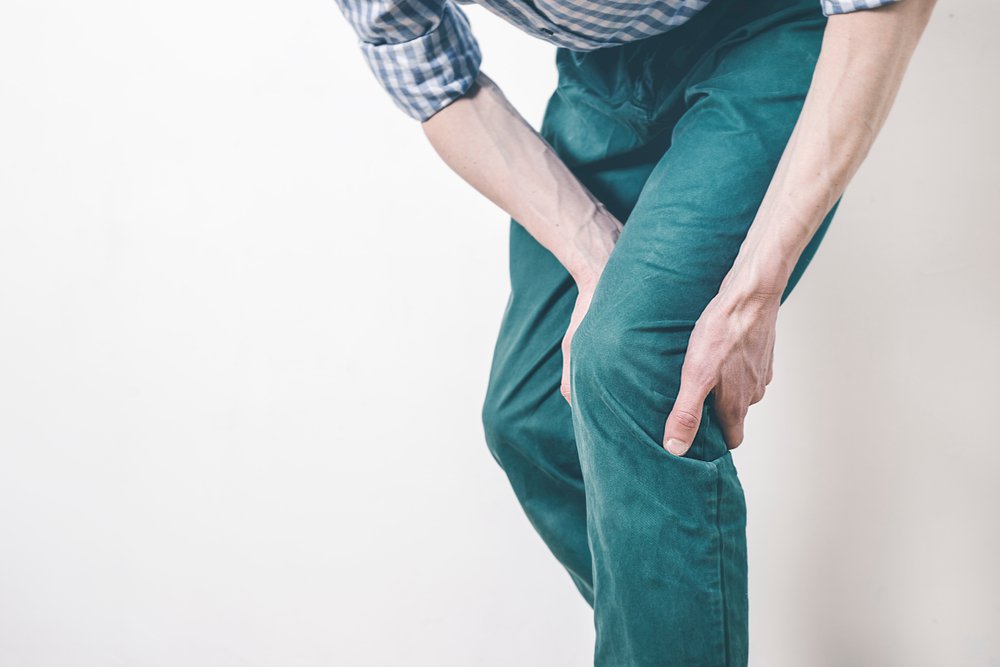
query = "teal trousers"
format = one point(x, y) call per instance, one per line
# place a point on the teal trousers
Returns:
point(679, 136)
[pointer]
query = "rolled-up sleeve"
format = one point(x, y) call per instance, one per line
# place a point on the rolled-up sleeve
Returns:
point(422, 52)
point(831, 7)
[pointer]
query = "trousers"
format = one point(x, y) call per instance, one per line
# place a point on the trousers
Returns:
point(678, 135)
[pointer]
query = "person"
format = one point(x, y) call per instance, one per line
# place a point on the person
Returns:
point(689, 162)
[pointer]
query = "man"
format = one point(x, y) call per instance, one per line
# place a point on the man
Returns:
point(689, 163)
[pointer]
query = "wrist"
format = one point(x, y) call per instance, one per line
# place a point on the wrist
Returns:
point(767, 257)
point(755, 280)
point(590, 247)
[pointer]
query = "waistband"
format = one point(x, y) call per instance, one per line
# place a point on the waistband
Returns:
point(632, 79)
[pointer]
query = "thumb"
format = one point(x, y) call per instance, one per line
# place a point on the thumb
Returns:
point(685, 418)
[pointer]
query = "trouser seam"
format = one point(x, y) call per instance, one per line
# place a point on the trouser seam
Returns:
point(722, 573)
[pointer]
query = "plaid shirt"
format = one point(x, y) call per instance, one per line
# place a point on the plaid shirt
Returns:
point(424, 54)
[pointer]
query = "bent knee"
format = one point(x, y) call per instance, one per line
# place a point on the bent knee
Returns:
point(508, 420)
point(629, 358)
point(625, 379)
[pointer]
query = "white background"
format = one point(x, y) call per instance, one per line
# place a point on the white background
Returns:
point(246, 318)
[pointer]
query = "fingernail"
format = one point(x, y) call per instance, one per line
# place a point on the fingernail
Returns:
point(675, 447)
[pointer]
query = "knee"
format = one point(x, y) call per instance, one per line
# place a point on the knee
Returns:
point(494, 418)
point(501, 421)
point(625, 370)
point(618, 361)
point(529, 424)
point(592, 357)
point(625, 377)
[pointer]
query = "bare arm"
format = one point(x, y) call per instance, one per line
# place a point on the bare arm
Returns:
point(489, 144)
point(730, 352)
point(860, 69)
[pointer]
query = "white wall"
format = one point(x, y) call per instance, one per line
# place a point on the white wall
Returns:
point(246, 316)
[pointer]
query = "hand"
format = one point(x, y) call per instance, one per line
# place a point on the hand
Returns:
point(586, 293)
point(592, 249)
point(730, 353)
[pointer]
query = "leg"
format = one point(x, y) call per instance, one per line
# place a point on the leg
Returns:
point(668, 533)
point(528, 425)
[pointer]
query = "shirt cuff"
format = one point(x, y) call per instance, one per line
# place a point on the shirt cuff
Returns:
point(425, 74)
point(831, 7)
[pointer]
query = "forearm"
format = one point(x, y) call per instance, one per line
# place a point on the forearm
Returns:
point(483, 138)
point(860, 68)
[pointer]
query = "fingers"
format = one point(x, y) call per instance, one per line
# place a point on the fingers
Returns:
point(579, 310)
point(732, 403)
point(564, 384)
point(685, 417)
point(731, 424)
